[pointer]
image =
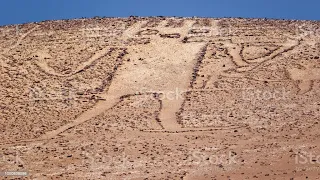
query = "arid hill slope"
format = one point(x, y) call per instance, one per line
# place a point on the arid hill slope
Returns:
point(161, 98)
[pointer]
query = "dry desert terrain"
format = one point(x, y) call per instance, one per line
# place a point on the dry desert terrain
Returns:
point(160, 98)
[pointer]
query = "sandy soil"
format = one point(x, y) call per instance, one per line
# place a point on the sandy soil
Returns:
point(161, 98)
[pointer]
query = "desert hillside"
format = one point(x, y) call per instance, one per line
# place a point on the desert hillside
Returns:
point(161, 98)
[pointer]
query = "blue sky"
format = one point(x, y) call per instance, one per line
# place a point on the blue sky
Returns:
point(22, 11)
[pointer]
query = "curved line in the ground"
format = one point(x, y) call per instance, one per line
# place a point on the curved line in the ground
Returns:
point(44, 66)
point(261, 61)
point(20, 39)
